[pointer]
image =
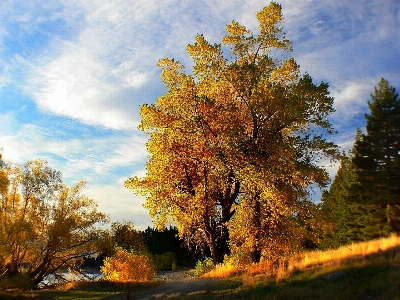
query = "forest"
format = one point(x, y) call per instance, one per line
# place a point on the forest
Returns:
point(236, 146)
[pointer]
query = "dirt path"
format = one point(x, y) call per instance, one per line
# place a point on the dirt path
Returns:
point(174, 285)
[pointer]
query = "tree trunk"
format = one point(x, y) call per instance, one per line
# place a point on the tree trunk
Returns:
point(256, 254)
point(218, 243)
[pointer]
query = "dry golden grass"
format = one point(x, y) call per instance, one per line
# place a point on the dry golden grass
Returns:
point(382, 250)
point(222, 271)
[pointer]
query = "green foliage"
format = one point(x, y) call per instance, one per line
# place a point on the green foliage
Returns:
point(363, 200)
point(163, 262)
point(238, 260)
point(347, 221)
point(167, 240)
point(203, 266)
point(125, 235)
point(377, 156)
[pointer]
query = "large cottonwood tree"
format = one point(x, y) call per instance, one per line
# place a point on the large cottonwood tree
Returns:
point(234, 146)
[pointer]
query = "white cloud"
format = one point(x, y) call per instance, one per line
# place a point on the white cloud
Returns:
point(351, 98)
point(97, 75)
point(97, 64)
point(78, 157)
point(120, 203)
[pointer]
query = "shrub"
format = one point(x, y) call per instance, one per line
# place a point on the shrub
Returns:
point(19, 281)
point(204, 266)
point(164, 261)
point(239, 260)
point(126, 266)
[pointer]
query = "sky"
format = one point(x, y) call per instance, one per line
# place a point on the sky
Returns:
point(73, 75)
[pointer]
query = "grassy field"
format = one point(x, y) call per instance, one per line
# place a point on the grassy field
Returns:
point(352, 282)
point(368, 271)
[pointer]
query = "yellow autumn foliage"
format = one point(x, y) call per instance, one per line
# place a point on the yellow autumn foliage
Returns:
point(234, 144)
point(125, 266)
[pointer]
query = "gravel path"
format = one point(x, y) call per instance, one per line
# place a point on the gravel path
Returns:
point(174, 285)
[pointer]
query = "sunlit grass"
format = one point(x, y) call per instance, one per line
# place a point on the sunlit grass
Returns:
point(222, 271)
point(367, 270)
point(381, 249)
point(384, 250)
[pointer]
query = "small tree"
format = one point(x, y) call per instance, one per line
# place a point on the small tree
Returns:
point(125, 266)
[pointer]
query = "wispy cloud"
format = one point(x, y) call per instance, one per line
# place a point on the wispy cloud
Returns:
point(73, 74)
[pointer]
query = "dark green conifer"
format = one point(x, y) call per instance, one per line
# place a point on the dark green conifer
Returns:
point(377, 157)
point(348, 221)
point(364, 199)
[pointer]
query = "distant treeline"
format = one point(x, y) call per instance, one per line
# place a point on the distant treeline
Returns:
point(159, 244)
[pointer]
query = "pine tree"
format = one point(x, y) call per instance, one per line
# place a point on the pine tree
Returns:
point(377, 156)
point(347, 221)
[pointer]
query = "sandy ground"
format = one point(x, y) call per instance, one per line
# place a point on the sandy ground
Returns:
point(173, 285)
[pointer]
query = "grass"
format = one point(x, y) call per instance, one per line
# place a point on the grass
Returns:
point(369, 270)
point(80, 290)
point(353, 282)
point(381, 250)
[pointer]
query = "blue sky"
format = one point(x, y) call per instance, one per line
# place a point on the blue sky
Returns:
point(73, 74)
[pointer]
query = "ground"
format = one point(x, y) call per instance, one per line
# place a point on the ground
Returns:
point(174, 285)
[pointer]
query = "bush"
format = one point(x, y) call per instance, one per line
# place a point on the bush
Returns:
point(19, 281)
point(165, 261)
point(204, 266)
point(126, 266)
point(238, 260)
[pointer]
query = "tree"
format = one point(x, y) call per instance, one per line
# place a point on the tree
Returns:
point(45, 225)
point(125, 235)
point(167, 240)
point(346, 221)
point(377, 155)
point(239, 134)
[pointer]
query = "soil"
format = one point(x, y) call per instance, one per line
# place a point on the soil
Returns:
point(175, 285)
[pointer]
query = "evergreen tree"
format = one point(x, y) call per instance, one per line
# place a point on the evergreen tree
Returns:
point(377, 156)
point(347, 221)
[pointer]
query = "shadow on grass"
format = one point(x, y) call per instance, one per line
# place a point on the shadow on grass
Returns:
point(81, 290)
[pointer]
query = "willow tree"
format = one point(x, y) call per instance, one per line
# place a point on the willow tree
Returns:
point(234, 145)
point(44, 224)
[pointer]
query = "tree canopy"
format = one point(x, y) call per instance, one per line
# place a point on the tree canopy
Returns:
point(234, 146)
